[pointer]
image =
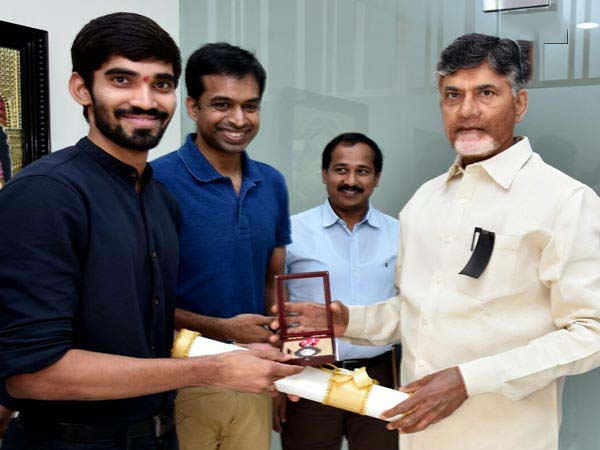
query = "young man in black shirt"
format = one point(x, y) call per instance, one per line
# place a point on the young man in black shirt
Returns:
point(88, 264)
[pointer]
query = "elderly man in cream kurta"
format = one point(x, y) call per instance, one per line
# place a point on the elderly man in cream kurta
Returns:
point(486, 354)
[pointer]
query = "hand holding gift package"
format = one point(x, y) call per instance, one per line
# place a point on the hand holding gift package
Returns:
point(350, 390)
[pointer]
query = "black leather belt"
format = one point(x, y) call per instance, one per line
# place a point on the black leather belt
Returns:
point(352, 364)
point(79, 432)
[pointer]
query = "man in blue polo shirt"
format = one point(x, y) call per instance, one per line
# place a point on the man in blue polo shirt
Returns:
point(357, 244)
point(233, 235)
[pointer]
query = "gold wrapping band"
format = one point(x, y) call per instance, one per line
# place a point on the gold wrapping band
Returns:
point(183, 343)
point(348, 390)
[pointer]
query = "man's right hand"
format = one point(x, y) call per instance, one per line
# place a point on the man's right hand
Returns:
point(252, 370)
point(248, 328)
point(308, 316)
point(5, 416)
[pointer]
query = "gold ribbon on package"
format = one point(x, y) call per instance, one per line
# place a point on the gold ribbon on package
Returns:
point(348, 390)
point(183, 343)
point(351, 390)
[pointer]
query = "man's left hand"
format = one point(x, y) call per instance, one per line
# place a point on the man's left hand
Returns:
point(433, 398)
point(247, 328)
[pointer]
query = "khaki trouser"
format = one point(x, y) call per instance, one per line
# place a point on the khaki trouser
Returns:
point(211, 418)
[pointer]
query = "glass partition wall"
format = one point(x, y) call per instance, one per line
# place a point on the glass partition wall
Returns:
point(368, 66)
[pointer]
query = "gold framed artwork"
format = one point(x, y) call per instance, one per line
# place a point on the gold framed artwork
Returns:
point(24, 103)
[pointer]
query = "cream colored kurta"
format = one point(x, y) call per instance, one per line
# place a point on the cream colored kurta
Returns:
point(531, 318)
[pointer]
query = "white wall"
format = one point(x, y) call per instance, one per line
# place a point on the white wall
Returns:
point(63, 19)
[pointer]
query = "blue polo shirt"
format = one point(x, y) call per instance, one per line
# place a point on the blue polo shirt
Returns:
point(226, 240)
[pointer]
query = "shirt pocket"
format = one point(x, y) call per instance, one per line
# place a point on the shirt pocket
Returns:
point(498, 278)
point(381, 274)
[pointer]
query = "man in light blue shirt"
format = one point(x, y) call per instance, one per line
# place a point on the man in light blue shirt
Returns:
point(357, 244)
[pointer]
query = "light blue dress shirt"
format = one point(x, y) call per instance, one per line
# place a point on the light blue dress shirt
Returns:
point(360, 262)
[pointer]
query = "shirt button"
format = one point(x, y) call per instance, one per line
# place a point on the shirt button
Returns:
point(462, 202)
point(425, 321)
point(153, 254)
point(438, 280)
point(156, 301)
point(422, 364)
point(448, 239)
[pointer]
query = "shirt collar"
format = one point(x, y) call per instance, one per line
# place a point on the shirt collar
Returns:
point(503, 167)
point(124, 171)
point(201, 169)
point(330, 217)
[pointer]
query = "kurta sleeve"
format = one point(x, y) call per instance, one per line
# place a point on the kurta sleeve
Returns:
point(43, 226)
point(570, 268)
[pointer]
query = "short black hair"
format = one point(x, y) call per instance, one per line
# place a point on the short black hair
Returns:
point(221, 58)
point(130, 35)
point(349, 140)
point(505, 56)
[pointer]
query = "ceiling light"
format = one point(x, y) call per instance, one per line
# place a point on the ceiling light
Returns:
point(587, 25)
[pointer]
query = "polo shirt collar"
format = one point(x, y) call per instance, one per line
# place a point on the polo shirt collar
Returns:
point(330, 217)
point(502, 168)
point(124, 171)
point(201, 169)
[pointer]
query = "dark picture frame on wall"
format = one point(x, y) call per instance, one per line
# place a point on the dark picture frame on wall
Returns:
point(24, 97)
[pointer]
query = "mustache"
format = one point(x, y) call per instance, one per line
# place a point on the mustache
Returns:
point(347, 187)
point(153, 112)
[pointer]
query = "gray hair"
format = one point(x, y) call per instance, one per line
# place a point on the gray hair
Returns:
point(505, 56)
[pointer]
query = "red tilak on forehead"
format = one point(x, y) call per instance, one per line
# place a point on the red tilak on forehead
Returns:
point(146, 78)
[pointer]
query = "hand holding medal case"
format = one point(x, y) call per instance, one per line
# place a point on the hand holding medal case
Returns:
point(309, 348)
point(349, 390)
